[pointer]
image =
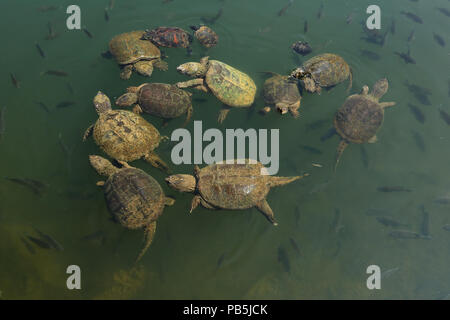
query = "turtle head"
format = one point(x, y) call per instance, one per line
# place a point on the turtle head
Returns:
point(380, 88)
point(102, 166)
point(192, 69)
point(101, 103)
point(195, 28)
point(182, 182)
point(282, 108)
point(298, 73)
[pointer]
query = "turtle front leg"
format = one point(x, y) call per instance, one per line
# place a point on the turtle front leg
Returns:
point(144, 68)
point(387, 104)
point(156, 161)
point(88, 132)
point(161, 65)
point(223, 113)
point(149, 233)
point(126, 72)
point(137, 109)
point(188, 116)
point(293, 109)
point(194, 83)
point(266, 210)
point(199, 200)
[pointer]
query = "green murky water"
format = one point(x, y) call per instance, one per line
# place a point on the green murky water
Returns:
point(183, 259)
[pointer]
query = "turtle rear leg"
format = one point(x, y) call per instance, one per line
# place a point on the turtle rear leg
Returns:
point(144, 68)
point(149, 233)
point(223, 113)
point(199, 200)
point(293, 109)
point(266, 210)
point(387, 104)
point(161, 65)
point(156, 161)
point(126, 72)
point(88, 132)
point(279, 181)
point(188, 116)
point(194, 83)
point(342, 145)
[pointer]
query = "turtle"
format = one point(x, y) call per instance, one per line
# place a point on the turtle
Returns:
point(283, 93)
point(159, 99)
point(323, 71)
point(134, 198)
point(205, 35)
point(361, 115)
point(124, 135)
point(302, 48)
point(235, 186)
point(135, 54)
point(169, 37)
point(232, 87)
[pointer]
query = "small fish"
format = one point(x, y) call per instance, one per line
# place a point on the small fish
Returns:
point(444, 11)
point(35, 186)
point(412, 36)
point(39, 242)
point(283, 259)
point(418, 139)
point(446, 227)
point(28, 245)
point(445, 116)
point(14, 80)
point(294, 245)
point(386, 274)
point(106, 15)
point(50, 240)
point(393, 189)
point(41, 52)
point(310, 149)
point(418, 114)
point(86, 31)
point(283, 10)
point(412, 16)
point(371, 55)
point(65, 104)
point(331, 132)
point(2, 122)
point(58, 73)
point(406, 57)
point(439, 39)
point(305, 27)
point(47, 8)
point(420, 93)
point(389, 222)
point(43, 106)
point(220, 261)
point(364, 157)
point(405, 234)
point(320, 12)
point(349, 18)
point(425, 228)
point(392, 29)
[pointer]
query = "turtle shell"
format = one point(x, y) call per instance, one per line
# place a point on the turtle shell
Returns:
point(281, 89)
point(133, 197)
point(231, 86)
point(206, 36)
point(327, 69)
point(124, 135)
point(129, 48)
point(358, 119)
point(171, 37)
point(164, 100)
point(232, 186)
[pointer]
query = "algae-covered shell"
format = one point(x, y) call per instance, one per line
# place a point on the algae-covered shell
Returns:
point(327, 69)
point(280, 89)
point(206, 36)
point(129, 48)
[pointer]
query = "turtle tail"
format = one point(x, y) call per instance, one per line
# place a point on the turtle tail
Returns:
point(149, 232)
point(342, 145)
point(279, 181)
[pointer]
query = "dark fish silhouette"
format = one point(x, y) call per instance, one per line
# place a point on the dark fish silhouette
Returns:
point(283, 259)
point(41, 52)
point(106, 14)
point(412, 36)
point(86, 31)
point(393, 189)
point(445, 116)
point(50, 240)
point(58, 73)
point(418, 139)
point(305, 27)
point(213, 20)
point(406, 57)
point(418, 114)
point(310, 149)
point(446, 227)
point(440, 41)
point(220, 261)
point(65, 104)
point(389, 222)
point(331, 132)
point(371, 55)
point(425, 228)
point(444, 201)
point(392, 29)
point(444, 11)
point(28, 245)
point(40, 243)
point(295, 246)
point(14, 80)
point(283, 10)
point(336, 223)
point(36, 186)
point(317, 124)
point(320, 12)
point(43, 106)
point(412, 16)
point(420, 93)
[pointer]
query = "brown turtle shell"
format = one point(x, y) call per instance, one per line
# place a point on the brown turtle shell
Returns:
point(232, 186)
point(280, 89)
point(327, 69)
point(171, 37)
point(125, 136)
point(164, 100)
point(206, 36)
point(358, 119)
point(129, 48)
point(134, 198)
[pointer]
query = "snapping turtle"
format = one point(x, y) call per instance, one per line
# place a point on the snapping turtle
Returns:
point(205, 35)
point(231, 186)
point(135, 54)
point(360, 117)
point(283, 93)
point(170, 37)
point(323, 70)
point(231, 86)
point(301, 47)
point(134, 198)
point(124, 135)
point(159, 99)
